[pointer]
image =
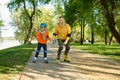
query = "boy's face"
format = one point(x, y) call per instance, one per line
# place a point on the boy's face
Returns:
point(42, 28)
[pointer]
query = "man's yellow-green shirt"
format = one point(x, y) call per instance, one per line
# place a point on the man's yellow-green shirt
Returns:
point(62, 32)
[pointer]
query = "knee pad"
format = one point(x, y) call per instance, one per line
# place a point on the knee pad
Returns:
point(45, 51)
point(67, 47)
point(60, 48)
point(37, 51)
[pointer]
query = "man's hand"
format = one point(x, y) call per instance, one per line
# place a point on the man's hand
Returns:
point(66, 41)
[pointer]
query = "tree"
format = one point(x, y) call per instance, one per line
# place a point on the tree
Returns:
point(109, 8)
point(21, 22)
point(77, 11)
point(29, 8)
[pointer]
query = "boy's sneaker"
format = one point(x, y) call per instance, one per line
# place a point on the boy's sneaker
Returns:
point(45, 60)
point(66, 59)
point(57, 61)
point(34, 60)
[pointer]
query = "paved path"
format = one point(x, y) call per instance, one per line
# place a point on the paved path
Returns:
point(84, 66)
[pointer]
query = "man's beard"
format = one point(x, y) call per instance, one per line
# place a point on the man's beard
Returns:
point(62, 24)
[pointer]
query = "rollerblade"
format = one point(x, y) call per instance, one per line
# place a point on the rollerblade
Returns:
point(57, 61)
point(34, 60)
point(66, 59)
point(45, 60)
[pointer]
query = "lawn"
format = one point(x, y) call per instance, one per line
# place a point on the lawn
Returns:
point(13, 60)
point(112, 51)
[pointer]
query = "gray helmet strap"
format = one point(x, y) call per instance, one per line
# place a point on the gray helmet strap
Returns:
point(43, 34)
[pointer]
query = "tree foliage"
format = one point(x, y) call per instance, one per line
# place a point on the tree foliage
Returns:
point(30, 7)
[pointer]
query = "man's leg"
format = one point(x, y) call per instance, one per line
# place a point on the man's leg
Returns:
point(66, 58)
point(67, 49)
point(60, 43)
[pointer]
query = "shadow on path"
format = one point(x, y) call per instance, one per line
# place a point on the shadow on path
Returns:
point(84, 66)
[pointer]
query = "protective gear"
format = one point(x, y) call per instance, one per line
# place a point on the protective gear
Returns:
point(43, 25)
point(45, 60)
point(67, 49)
point(54, 34)
point(45, 53)
point(37, 51)
point(68, 35)
point(66, 59)
point(60, 48)
point(34, 60)
point(57, 61)
point(59, 52)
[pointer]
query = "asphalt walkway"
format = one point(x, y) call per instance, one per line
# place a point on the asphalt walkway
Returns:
point(84, 66)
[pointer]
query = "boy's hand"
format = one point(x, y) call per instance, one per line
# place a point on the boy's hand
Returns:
point(29, 40)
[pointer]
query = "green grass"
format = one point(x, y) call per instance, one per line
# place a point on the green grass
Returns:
point(112, 51)
point(13, 60)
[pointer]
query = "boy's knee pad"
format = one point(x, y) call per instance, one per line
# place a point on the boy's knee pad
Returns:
point(67, 47)
point(37, 51)
point(60, 48)
point(45, 51)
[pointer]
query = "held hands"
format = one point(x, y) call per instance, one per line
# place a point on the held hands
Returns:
point(53, 42)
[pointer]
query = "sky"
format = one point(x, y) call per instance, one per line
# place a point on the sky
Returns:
point(7, 30)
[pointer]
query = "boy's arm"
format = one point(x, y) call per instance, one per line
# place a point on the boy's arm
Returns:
point(34, 37)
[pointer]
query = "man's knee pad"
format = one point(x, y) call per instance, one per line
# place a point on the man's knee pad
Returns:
point(37, 51)
point(60, 48)
point(67, 47)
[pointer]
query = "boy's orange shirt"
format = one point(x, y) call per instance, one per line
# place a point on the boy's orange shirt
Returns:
point(40, 39)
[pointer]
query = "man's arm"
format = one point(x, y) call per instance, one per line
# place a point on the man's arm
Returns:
point(68, 35)
point(54, 34)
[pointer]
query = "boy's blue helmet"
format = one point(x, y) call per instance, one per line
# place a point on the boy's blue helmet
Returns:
point(43, 25)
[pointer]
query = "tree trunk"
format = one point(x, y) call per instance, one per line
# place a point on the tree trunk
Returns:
point(110, 17)
point(106, 36)
point(30, 17)
point(110, 41)
point(29, 32)
point(83, 33)
point(92, 36)
point(81, 37)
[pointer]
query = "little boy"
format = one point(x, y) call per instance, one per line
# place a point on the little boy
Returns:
point(42, 37)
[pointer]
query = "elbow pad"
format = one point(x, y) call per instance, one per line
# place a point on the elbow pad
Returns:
point(69, 35)
point(54, 34)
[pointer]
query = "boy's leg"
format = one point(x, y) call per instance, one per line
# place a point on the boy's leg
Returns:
point(45, 50)
point(38, 50)
point(45, 53)
point(37, 53)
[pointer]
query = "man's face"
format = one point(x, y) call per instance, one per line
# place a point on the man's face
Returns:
point(62, 21)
